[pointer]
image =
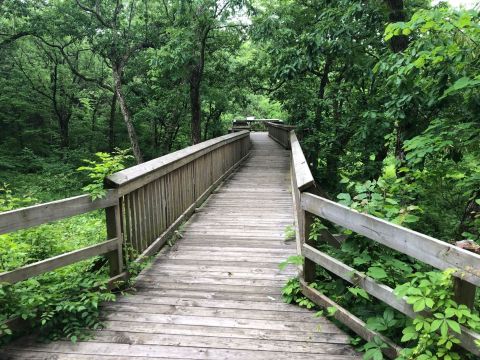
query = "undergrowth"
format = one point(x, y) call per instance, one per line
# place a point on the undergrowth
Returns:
point(439, 319)
point(63, 303)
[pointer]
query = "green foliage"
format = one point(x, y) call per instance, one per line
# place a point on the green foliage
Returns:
point(387, 197)
point(433, 337)
point(9, 202)
point(289, 233)
point(63, 304)
point(373, 349)
point(99, 170)
point(291, 293)
point(292, 260)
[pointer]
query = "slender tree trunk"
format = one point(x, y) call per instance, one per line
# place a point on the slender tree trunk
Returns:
point(321, 90)
point(64, 136)
point(155, 135)
point(173, 136)
point(207, 123)
point(398, 43)
point(111, 123)
point(195, 85)
point(63, 115)
point(196, 108)
point(126, 115)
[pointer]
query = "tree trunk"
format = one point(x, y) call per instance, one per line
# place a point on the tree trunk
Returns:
point(126, 115)
point(398, 43)
point(195, 84)
point(111, 123)
point(63, 124)
point(321, 91)
point(196, 107)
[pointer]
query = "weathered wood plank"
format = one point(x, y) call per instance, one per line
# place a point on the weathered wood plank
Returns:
point(199, 330)
point(224, 343)
point(303, 175)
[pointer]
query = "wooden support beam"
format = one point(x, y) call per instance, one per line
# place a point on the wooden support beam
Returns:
point(114, 230)
point(309, 267)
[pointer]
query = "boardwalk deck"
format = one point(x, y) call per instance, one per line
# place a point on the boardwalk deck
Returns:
point(216, 294)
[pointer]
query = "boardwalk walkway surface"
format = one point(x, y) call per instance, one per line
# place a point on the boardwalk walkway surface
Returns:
point(216, 294)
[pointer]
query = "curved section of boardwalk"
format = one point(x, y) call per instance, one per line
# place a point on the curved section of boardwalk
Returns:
point(217, 293)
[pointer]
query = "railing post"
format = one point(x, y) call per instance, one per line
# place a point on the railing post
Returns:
point(114, 230)
point(308, 265)
point(464, 292)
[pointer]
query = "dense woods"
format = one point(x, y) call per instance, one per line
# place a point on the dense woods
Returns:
point(384, 95)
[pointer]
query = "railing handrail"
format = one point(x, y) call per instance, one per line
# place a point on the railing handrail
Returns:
point(259, 120)
point(427, 249)
point(280, 133)
point(434, 252)
point(40, 267)
point(29, 216)
point(281, 126)
point(136, 176)
point(303, 175)
point(125, 182)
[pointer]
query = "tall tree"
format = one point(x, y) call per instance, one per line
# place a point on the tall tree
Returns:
point(200, 24)
point(118, 31)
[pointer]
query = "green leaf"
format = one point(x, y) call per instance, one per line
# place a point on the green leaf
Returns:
point(462, 83)
point(376, 273)
point(455, 326)
point(419, 305)
point(331, 310)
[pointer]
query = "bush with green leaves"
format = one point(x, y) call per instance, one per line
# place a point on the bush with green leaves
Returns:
point(431, 335)
point(99, 170)
point(62, 303)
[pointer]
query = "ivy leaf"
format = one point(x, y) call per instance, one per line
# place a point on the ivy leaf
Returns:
point(419, 305)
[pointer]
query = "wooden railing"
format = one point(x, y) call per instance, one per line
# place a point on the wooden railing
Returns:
point(280, 133)
point(436, 253)
point(157, 196)
point(143, 206)
point(44, 213)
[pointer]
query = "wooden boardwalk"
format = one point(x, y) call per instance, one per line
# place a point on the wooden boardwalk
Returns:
point(216, 294)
